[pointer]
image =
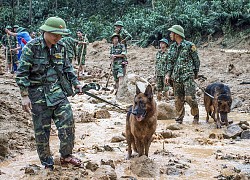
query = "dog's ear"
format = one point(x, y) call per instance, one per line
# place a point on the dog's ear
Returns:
point(149, 92)
point(138, 91)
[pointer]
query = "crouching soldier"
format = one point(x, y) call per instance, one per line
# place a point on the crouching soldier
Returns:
point(118, 57)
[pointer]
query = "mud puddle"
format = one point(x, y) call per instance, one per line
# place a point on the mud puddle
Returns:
point(190, 155)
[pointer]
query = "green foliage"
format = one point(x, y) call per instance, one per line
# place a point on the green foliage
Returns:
point(199, 18)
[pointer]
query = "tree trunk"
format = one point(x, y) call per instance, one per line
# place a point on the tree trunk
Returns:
point(30, 12)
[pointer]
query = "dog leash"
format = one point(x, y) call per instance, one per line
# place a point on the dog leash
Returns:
point(204, 90)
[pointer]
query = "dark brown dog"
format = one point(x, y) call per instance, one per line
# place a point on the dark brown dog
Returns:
point(141, 122)
point(218, 106)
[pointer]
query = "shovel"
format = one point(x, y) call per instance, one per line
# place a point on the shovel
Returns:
point(106, 87)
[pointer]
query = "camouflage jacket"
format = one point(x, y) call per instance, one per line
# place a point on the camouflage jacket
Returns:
point(187, 63)
point(160, 63)
point(9, 41)
point(80, 46)
point(71, 45)
point(124, 35)
point(118, 49)
point(37, 78)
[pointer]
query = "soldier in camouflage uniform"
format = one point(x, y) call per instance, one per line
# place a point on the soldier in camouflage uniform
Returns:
point(71, 47)
point(183, 68)
point(42, 93)
point(10, 44)
point(160, 69)
point(82, 51)
point(118, 56)
point(125, 36)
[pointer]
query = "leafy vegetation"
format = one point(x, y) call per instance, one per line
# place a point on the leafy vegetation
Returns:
point(142, 18)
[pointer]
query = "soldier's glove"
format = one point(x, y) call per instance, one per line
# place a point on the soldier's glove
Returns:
point(26, 104)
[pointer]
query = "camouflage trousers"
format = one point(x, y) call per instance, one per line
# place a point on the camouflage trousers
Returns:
point(63, 118)
point(81, 61)
point(160, 84)
point(185, 92)
point(119, 70)
point(12, 58)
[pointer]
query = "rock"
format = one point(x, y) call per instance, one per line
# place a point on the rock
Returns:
point(245, 134)
point(174, 126)
point(143, 167)
point(244, 127)
point(165, 111)
point(92, 166)
point(232, 131)
point(243, 122)
point(32, 169)
point(126, 91)
point(236, 103)
point(102, 114)
point(4, 145)
point(105, 172)
point(167, 134)
point(84, 117)
point(108, 148)
point(109, 162)
point(117, 139)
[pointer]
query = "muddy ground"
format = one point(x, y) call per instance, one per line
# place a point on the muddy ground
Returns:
point(183, 152)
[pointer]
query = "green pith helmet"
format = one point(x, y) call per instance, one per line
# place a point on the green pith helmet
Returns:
point(55, 25)
point(15, 26)
point(164, 40)
point(8, 27)
point(20, 29)
point(119, 23)
point(116, 35)
point(178, 30)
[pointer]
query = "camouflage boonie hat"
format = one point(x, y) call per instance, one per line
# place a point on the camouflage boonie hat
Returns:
point(164, 40)
point(55, 25)
point(8, 27)
point(15, 26)
point(178, 30)
point(119, 23)
point(115, 35)
point(20, 29)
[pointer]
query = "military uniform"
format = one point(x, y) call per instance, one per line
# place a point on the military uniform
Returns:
point(71, 47)
point(81, 53)
point(182, 71)
point(124, 34)
point(38, 79)
point(160, 70)
point(118, 64)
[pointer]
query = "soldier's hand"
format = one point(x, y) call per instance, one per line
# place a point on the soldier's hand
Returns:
point(26, 104)
point(112, 56)
point(79, 89)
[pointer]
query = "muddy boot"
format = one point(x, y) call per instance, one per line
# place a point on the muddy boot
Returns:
point(179, 120)
point(196, 119)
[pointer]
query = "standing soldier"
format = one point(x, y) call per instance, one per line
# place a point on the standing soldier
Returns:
point(118, 56)
point(183, 68)
point(125, 36)
point(42, 65)
point(71, 45)
point(160, 69)
point(82, 51)
point(10, 44)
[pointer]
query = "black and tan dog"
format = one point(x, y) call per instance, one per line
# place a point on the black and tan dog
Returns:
point(141, 122)
point(219, 104)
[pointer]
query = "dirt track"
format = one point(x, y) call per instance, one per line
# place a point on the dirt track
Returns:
point(190, 155)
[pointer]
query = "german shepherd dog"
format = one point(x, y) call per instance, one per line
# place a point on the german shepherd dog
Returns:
point(219, 106)
point(141, 122)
